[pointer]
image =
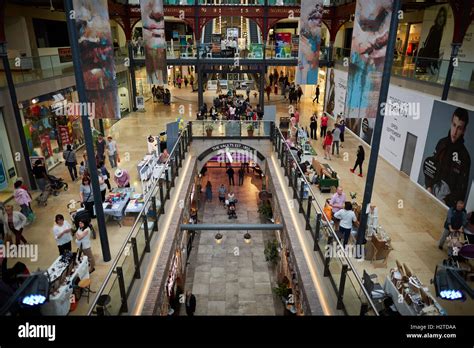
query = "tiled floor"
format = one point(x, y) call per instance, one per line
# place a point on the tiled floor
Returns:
point(231, 278)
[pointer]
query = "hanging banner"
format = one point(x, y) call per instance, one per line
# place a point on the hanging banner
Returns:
point(283, 45)
point(369, 45)
point(97, 57)
point(153, 20)
point(310, 38)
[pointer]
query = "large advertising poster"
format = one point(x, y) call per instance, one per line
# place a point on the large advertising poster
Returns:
point(153, 20)
point(283, 45)
point(310, 38)
point(447, 170)
point(336, 87)
point(369, 44)
point(97, 57)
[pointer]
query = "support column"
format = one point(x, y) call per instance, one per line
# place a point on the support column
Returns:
point(86, 126)
point(369, 185)
point(132, 76)
point(449, 74)
point(16, 113)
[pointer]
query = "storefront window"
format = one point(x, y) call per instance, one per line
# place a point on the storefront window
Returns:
point(8, 173)
point(47, 134)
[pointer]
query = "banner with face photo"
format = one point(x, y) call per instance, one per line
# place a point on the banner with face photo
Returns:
point(369, 44)
point(310, 38)
point(97, 57)
point(447, 169)
point(153, 20)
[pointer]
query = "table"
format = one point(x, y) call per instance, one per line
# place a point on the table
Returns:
point(402, 307)
point(116, 210)
point(60, 302)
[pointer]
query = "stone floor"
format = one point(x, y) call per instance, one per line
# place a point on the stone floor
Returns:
point(231, 278)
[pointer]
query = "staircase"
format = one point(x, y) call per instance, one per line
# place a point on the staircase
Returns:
point(254, 35)
point(207, 37)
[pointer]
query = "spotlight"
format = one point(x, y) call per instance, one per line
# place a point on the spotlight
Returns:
point(218, 238)
point(247, 238)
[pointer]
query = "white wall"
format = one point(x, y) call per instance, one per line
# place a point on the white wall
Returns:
point(16, 33)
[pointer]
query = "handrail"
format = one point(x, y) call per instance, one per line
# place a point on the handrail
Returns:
point(314, 200)
point(138, 220)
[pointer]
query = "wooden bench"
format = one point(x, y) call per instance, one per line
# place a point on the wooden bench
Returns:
point(324, 169)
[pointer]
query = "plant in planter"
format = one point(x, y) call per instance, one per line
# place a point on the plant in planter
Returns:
point(271, 252)
point(265, 210)
point(209, 128)
point(250, 129)
point(282, 291)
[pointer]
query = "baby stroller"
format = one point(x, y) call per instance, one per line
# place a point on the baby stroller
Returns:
point(42, 199)
point(231, 211)
point(80, 214)
point(57, 184)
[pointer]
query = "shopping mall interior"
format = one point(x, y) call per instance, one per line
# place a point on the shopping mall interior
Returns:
point(236, 158)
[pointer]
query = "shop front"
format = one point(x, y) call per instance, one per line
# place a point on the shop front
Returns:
point(47, 133)
point(8, 171)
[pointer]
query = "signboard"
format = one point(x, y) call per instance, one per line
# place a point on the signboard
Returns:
point(64, 135)
point(237, 146)
point(3, 176)
point(140, 101)
point(65, 55)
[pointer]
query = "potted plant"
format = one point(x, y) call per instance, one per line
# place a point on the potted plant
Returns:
point(271, 252)
point(353, 196)
point(209, 128)
point(265, 210)
point(250, 129)
point(282, 290)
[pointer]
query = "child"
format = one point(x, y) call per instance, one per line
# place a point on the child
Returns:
point(82, 169)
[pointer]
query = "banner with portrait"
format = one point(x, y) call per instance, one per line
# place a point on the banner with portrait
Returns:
point(153, 20)
point(97, 57)
point(447, 169)
point(368, 50)
point(310, 38)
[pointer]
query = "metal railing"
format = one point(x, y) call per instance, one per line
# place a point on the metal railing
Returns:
point(125, 268)
point(420, 68)
point(352, 297)
point(35, 68)
point(231, 129)
point(232, 2)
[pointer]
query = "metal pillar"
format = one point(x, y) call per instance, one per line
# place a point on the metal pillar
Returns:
point(200, 87)
point(369, 185)
point(261, 90)
point(16, 113)
point(132, 76)
point(449, 74)
point(86, 126)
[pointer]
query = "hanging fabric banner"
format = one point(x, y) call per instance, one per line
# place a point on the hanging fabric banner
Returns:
point(153, 20)
point(368, 50)
point(310, 38)
point(97, 58)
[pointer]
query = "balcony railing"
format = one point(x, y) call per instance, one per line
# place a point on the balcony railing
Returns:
point(232, 2)
point(28, 69)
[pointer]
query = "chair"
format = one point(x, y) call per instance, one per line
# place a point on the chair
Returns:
point(374, 289)
point(85, 286)
point(102, 303)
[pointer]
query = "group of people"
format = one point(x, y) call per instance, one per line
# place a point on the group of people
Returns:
point(178, 81)
point(161, 93)
point(288, 90)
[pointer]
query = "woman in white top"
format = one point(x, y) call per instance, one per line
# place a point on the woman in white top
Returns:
point(13, 224)
point(83, 240)
point(103, 186)
point(346, 217)
point(62, 234)
point(372, 219)
point(231, 197)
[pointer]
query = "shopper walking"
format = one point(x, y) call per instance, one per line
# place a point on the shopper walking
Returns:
point(100, 146)
point(327, 145)
point(62, 234)
point(83, 240)
point(101, 168)
point(268, 90)
point(40, 174)
point(455, 222)
point(87, 196)
point(230, 174)
point(112, 151)
point(14, 222)
point(359, 160)
point(313, 125)
point(190, 303)
point(222, 192)
point(102, 185)
point(317, 95)
point(299, 93)
point(209, 191)
point(241, 176)
point(23, 199)
point(347, 218)
point(342, 127)
point(324, 125)
point(69, 156)
point(336, 136)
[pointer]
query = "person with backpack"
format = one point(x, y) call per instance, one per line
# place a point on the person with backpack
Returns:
point(69, 156)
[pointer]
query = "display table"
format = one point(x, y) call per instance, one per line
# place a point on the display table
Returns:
point(409, 309)
point(325, 173)
point(114, 207)
point(60, 301)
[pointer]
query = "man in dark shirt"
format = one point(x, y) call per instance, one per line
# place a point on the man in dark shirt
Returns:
point(40, 174)
point(100, 146)
point(190, 303)
point(230, 174)
point(447, 171)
